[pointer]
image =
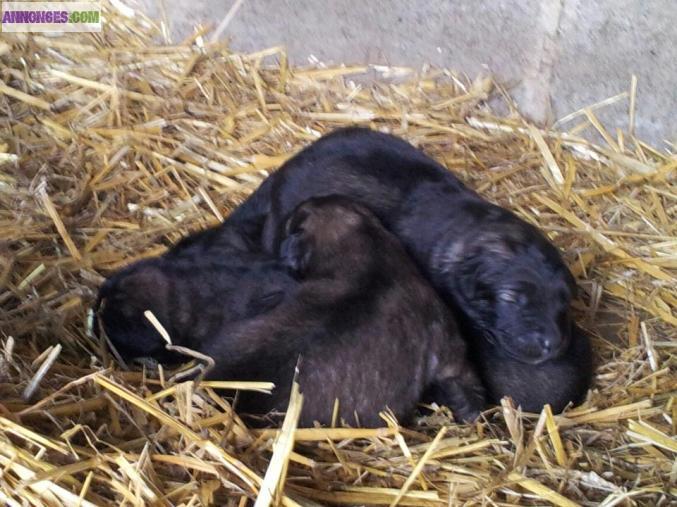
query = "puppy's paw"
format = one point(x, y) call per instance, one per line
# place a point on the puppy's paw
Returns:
point(465, 401)
point(467, 411)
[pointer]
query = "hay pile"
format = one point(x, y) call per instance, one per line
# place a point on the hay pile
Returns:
point(114, 145)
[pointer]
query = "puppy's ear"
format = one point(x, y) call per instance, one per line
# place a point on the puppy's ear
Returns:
point(295, 253)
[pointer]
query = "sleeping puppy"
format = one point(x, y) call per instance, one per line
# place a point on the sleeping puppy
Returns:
point(192, 295)
point(368, 329)
point(507, 284)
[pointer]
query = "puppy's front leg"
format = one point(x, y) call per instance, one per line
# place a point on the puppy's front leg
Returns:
point(275, 336)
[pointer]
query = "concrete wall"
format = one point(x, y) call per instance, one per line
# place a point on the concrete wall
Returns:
point(560, 54)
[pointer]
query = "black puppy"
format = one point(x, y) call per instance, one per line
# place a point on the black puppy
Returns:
point(508, 285)
point(193, 295)
point(369, 329)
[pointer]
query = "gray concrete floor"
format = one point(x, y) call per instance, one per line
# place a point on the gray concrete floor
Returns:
point(561, 55)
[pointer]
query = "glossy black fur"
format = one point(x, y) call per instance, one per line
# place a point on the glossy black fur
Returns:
point(368, 329)
point(506, 283)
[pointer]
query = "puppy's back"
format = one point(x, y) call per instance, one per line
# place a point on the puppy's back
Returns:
point(368, 328)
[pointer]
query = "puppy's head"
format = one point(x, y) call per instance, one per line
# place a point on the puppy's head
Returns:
point(324, 234)
point(121, 304)
point(512, 284)
point(192, 298)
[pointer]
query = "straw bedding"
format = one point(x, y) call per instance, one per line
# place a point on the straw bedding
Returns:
point(114, 145)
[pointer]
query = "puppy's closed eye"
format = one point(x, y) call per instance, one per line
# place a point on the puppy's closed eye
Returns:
point(512, 296)
point(264, 303)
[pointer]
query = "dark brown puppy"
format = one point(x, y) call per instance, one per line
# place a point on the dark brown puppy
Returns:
point(192, 294)
point(507, 284)
point(368, 329)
